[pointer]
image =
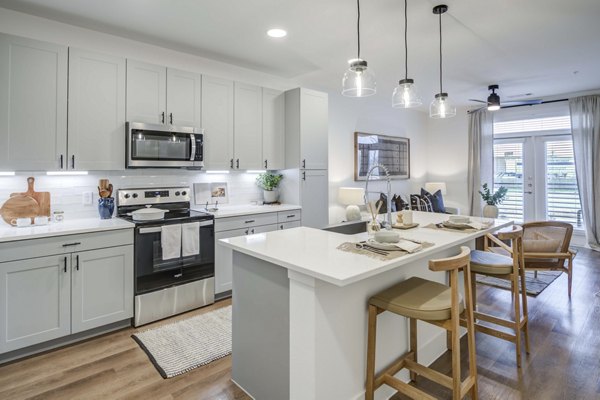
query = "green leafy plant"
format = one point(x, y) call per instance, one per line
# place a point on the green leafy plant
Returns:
point(268, 181)
point(495, 198)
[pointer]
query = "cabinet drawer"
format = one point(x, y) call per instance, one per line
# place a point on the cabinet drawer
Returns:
point(24, 249)
point(287, 216)
point(289, 225)
point(243, 221)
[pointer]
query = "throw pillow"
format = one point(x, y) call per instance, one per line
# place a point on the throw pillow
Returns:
point(420, 203)
point(400, 203)
point(436, 199)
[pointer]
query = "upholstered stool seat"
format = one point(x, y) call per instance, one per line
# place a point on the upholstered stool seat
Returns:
point(417, 298)
point(486, 262)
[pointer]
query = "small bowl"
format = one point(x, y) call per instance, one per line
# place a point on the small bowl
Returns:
point(386, 236)
point(459, 219)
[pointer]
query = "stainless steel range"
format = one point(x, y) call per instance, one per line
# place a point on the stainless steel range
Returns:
point(174, 256)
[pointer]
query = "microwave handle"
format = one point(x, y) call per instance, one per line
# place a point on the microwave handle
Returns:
point(193, 139)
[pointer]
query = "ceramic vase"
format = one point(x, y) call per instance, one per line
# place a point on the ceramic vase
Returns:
point(270, 196)
point(490, 211)
point(106, 207)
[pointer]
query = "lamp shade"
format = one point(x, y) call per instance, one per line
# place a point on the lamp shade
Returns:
point(433, 187)
point(351, 195)
point(441, 107)
point(359, 80)
point(405, 95)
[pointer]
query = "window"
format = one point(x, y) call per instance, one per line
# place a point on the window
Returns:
point(562, 194)
point(508, 172)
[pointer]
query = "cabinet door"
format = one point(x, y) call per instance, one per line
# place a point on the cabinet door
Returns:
point(102, 287)
point(223, 260)
point(314, 198)
point(96, 111)
point(33, 104)
point(248, 126)
point(289, 225)
point(217, 121)
point(146, 92)
point(314, 128)
point(184, 91)
point(34, 301)
point(273, 137)
point(264, 229)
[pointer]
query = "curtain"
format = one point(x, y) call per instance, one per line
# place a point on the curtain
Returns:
point(585, 126)
point(481, 157)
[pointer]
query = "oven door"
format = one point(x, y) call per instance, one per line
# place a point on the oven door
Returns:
point(159, 146)
point(153, 273)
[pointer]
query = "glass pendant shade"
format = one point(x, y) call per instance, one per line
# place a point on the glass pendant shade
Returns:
point(359, 81)
point(405, 95)
point(441, 107)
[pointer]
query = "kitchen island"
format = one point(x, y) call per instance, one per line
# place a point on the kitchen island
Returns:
point(300, 309)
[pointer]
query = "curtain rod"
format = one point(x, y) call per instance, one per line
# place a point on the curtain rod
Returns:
point(525, 105)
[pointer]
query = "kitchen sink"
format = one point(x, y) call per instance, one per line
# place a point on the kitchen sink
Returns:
point(348, 228)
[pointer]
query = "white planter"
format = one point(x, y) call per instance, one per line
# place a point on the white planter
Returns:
point(270, 196)
point(490, 211)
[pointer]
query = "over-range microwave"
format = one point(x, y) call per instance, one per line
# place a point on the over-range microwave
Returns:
point(163, 146)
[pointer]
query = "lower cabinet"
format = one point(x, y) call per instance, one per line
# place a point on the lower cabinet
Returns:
point(226, 228)
point(53, 296)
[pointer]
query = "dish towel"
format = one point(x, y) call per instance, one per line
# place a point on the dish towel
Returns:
point(190, 239)
point(171, 241)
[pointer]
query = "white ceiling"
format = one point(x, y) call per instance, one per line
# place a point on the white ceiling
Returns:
point(543, 47)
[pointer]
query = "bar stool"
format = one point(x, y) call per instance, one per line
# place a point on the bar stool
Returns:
point(490, 263)
point(437, 304)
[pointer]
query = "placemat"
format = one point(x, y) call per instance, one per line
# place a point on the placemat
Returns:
point(350, 247)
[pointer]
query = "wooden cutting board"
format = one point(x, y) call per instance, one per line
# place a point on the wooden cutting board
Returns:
point(42, 198)
point(19, 206)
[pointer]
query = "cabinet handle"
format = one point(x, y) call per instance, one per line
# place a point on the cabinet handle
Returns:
point(231, 163)
point(266, 164)
point(61, 161)
point(249, 221)
point(237, 163)
point(291, 216)
point(71, 244)
point(162, 117)
point(303, 175)
point(253, 231)
point(77, 262)
point(171, 118)
point(65, 267)
point(281, 227)
point(304, 163)
point(247, 231)
point(73, 161)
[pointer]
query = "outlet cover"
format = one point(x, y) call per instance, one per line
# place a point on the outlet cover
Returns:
point(87, 198)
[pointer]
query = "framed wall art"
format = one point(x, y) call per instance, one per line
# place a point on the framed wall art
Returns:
point(391, 151)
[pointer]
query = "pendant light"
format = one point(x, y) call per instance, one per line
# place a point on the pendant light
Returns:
point(405, 94)
point(493, 99)
point(441, 107)
point(358, 81)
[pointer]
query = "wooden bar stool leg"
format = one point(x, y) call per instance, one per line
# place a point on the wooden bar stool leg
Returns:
point(525, 309)
point(413, 345)
point(517, 325)
point(455, 324)
point(473, 286)
point(570, 274)
point(371, 335)
point(469, 310)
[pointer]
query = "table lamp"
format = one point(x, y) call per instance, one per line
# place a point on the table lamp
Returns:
point(351, 196)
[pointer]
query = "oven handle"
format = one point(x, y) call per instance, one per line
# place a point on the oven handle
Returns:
point(157, 229)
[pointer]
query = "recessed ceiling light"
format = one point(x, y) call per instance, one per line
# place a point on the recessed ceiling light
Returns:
point(277, 33)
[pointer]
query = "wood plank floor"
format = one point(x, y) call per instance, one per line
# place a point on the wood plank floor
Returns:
point(564, 362)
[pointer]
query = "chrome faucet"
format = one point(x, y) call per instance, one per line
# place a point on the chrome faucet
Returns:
point(389, 191)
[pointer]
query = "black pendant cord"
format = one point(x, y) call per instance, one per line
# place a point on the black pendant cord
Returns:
point(358, 26)
point(441, 90)
point(405, 40)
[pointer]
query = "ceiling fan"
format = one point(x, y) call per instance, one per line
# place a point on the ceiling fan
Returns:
point(493, 101)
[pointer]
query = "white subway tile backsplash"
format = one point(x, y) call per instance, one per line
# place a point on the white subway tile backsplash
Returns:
point(67, 191)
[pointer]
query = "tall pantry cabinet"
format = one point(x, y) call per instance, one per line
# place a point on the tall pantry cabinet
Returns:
point(306, 136)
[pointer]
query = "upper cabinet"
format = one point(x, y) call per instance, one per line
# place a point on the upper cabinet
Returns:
point(96, 111)
point(247, 126)
point(306, 129)
point(33, 104)
point(273, 130)
point(217, 121)
point(160, 95)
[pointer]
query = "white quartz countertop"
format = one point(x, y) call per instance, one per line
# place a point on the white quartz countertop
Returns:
point(238, 210)
point(314, 252)
point(68, 227)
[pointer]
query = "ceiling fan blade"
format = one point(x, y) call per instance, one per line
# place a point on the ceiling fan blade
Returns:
point(522, 102)
point(478, 101)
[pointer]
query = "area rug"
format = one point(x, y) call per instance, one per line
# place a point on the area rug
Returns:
point(534, 285)
point(184, 345)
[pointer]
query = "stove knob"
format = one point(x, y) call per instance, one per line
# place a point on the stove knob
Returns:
point(177, 193)
point(127, 196)
point(135, 195)
point(183, 193)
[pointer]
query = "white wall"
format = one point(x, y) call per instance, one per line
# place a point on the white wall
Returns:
point(349, 115)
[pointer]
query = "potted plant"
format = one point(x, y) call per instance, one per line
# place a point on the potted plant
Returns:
point(269, 183)
point(490, 210)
